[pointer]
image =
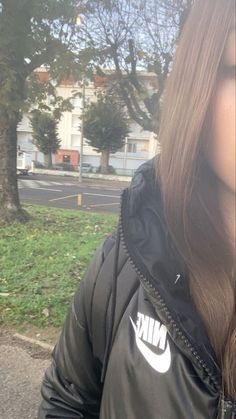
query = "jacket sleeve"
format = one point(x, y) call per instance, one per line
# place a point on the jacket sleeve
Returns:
point(71, 386)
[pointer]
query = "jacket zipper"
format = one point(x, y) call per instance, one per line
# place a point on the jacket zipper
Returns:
point(150, 286)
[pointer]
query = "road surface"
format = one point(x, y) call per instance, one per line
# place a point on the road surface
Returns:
point(63, 193)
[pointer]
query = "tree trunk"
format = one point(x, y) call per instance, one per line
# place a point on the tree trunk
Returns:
point(10, 209)
point(104, 161)
point(48, 160)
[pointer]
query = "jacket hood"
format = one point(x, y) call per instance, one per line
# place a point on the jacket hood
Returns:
point(149, 246)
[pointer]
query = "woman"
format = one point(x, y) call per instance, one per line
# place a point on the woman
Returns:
point(151, 333)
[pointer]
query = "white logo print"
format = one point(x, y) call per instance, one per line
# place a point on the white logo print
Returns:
point(151, 331)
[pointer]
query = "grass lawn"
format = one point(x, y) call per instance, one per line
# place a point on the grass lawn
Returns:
point(43, 261)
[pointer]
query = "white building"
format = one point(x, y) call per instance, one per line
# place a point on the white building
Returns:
point(139, 146)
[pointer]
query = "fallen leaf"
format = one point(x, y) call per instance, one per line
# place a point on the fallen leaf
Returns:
point(45, 312)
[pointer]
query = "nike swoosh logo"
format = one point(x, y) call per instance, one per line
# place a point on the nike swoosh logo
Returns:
point(159, 362)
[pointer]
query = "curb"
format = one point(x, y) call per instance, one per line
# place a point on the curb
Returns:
point(84, 176)
point(34, 341)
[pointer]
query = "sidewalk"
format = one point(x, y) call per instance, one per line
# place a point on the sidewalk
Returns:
point(21, 369)
point(94, 176)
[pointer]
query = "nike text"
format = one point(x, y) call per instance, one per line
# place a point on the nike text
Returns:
point(151, 331)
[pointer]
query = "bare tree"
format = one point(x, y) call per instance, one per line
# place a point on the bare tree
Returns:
point(129, 36)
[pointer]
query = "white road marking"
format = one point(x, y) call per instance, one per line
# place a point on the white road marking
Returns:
point(98, 194)
point(33, 183)
point(63, 197)
point(43, 183)
point(60, 183)
point(106, 187)
point(104, 205)
point(43, 189)
point(26, 184)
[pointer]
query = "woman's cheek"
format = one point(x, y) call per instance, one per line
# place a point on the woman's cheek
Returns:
point(221, 152)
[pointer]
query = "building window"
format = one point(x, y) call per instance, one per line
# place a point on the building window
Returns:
point(143, 146)
point(132, 148)
point(76, 121)
point(75, 140)
point(76, 102)
point(50, 100)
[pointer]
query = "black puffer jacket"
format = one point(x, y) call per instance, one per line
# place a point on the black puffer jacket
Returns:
point(133, 346)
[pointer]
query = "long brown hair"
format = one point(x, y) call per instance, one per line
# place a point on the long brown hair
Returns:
point(188, 186)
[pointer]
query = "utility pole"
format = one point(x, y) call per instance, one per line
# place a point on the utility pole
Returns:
point(79, 22)
point(82, 130)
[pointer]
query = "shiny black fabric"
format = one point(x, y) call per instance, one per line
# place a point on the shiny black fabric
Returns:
point(160, 363)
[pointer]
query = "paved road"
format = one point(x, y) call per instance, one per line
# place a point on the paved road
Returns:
point(21, 376)
point(63, 193)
